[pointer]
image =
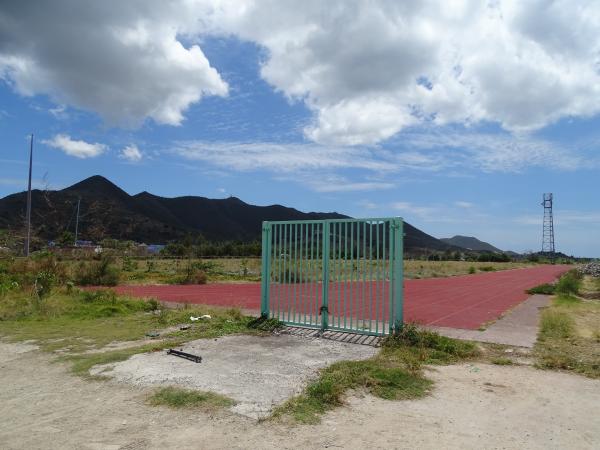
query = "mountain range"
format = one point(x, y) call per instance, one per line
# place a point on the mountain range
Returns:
point(471, 243)
point(107, 211)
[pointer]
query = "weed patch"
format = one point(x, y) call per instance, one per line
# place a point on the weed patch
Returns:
point(569, 336)
point(556, 324)
point(265, 324)
point(393, 374)
point(544, 289)
point(502, 361)
point(175, 397)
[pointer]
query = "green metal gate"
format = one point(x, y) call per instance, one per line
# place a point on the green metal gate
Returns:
point(342, 274)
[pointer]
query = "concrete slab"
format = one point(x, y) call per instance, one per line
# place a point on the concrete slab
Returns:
point(518, 327)
point(257, 372)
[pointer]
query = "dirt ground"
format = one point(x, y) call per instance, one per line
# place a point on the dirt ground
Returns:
point(472, 406)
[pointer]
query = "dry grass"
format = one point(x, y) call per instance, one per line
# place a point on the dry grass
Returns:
point(175, 397)
point(569, 337)
point(433, 269)
point(249, 269)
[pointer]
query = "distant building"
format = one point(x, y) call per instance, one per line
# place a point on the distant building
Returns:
point(154, 248)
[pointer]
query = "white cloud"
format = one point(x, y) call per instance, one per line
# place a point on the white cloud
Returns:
point(370, 69)
point(440, 213)
point(78, 149)
point(326, 168)
point(425, 213)
point(322, 183)
point(276, 157)
point(367, 70)
point(463, 204)
point(444, 148)
point(125, 62)
point(131, 153)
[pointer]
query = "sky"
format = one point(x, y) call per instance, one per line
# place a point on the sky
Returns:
point(455, 115)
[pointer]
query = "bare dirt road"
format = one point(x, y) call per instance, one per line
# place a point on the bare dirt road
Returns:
point(480, 406)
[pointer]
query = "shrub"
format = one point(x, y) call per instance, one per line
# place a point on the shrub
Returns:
point(195, 276)
point(472, 270)
point(129, 265)
point(569, 283)
point(150, 266)
point(97, 273)
point(44, 281)
point(25, 271)
point(545, 289)
point(191, 276)
point(487, 268)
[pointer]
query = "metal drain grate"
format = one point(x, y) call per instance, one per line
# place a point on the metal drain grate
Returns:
point(338, 336)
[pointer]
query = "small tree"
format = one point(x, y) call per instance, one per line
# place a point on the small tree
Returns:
point(66, 239)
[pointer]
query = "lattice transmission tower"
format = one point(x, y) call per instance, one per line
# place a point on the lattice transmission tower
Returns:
point(548, 227)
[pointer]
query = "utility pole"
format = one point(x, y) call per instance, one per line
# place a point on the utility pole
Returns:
point(28, 219)
point(77, 221)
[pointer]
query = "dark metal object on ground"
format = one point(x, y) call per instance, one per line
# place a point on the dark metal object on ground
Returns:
point(185, 355)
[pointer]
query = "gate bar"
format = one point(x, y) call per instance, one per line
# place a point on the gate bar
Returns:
point(266, 269)
point(324, 310)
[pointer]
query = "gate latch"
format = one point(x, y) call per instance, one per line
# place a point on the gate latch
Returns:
point(323, 308)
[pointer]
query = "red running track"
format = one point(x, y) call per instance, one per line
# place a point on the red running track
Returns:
point(467, 301)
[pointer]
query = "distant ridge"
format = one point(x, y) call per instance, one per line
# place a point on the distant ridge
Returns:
point(109, 211)
point(471, 243)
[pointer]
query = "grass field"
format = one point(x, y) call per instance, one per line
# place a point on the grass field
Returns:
point(160, 270)
point(157, 270)
point(86, 328)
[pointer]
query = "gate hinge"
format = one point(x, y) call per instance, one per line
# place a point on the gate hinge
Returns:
point(323, 308)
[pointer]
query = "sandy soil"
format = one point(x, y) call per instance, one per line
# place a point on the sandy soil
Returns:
point(481, 406)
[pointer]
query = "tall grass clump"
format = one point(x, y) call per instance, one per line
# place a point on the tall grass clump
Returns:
point(102, 272)
point(569, 283)
point(556, 324)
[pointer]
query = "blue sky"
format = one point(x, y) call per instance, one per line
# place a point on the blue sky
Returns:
point(376, 118)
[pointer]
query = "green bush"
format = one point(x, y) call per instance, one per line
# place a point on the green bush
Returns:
point(472, 270)
point(569, 283)
point(26, 271)
point(97, 273)
point(44, 281)
point(545, 289)
point(487, 268)
point(129, 265)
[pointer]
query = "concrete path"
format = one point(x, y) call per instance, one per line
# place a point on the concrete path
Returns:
point(518, 327)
